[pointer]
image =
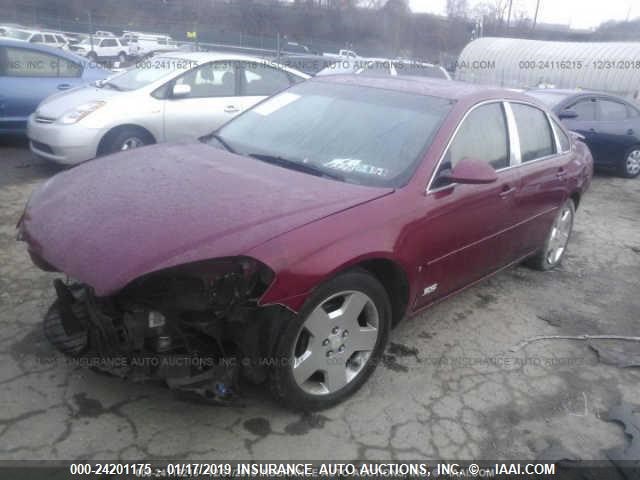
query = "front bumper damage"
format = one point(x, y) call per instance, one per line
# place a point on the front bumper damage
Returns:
point(198, 332)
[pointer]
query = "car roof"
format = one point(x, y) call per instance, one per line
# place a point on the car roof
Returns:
point(210, 56)
point(435, 87)
point(570, 93)
point(202, 57)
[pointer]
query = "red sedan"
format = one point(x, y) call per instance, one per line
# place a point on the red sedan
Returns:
point(285, 245)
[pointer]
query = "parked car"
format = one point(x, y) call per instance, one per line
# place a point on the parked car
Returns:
point(309, 64)
point(173, 97)
point(295, 236)
point(29, 73)
point(386, 67)
point(52, 39)
point(295, 47)
point(610, 125)
point(102, 48)
point(143, 44)
point(402, 68)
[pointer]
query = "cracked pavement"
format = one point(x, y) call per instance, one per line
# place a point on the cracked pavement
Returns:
point(448, 387)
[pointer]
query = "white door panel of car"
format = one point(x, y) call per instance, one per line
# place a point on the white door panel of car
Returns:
point(217, 92)
point(210, 100)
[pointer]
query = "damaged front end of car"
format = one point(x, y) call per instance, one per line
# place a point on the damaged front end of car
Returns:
point(196, 326)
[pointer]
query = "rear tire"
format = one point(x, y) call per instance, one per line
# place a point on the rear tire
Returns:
point(557, 240)
point(629, 167)
point(122, 57)
point(342, 330)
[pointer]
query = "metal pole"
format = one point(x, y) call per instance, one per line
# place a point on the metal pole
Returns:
point(509, 14)
point(535, 17)
point(90, 29)
point(278, 46)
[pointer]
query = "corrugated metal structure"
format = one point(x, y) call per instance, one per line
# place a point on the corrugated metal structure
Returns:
point(511, 62)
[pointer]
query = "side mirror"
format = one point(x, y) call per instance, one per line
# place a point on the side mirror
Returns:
point(472, 171)
point(568, 114)
point(180, 91)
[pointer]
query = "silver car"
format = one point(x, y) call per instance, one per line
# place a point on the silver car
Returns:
point(168, 98)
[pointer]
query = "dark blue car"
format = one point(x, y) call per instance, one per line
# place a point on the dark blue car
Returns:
point(29, 73)
point(610, 125)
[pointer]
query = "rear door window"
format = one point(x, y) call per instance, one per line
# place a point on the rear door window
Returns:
point(22, 62)
point(536, 136)
point(259, 79)
point(612, 111)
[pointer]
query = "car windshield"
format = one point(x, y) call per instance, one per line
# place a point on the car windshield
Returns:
point(551, 99)
point(17, 34)
point(363, 135)
point(145, 73)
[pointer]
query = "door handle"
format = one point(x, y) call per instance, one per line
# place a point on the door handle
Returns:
point(231, 109)
point(64, 86)
point(561, 173)
point(506, 191)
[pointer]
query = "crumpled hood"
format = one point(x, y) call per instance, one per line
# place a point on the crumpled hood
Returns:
point(57, 105)
point(111, 220)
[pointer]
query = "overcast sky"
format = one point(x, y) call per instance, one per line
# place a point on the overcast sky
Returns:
point(577, 13)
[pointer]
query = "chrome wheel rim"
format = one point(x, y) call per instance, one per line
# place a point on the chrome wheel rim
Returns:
point(335, 343)
point(633, 162)
point(559, 236)
point(130, 143)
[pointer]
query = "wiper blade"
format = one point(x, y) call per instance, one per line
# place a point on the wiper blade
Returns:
point(301, 167)
point(220, 141)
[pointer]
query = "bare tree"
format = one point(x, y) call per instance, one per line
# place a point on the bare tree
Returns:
point(457, 9)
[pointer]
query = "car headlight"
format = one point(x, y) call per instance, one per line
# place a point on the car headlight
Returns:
point(78, 113)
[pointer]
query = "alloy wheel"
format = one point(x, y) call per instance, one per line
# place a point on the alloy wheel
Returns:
point(559, 236)
point(633, 163)
point(131, 142)
point(335, 342)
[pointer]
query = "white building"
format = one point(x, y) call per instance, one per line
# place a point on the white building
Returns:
point(517, 63)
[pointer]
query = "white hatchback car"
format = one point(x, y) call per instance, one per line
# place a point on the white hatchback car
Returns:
point(168, 98)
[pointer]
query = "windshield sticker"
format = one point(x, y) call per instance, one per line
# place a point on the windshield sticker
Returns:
point(276, 103)
point(355, 165)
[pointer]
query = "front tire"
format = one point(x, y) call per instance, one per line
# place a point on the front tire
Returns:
point(555, 245)
point(630, 165)
point(126, 139)
point(327, 351)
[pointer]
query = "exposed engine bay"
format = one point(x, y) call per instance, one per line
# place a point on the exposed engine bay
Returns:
point(197, 326)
